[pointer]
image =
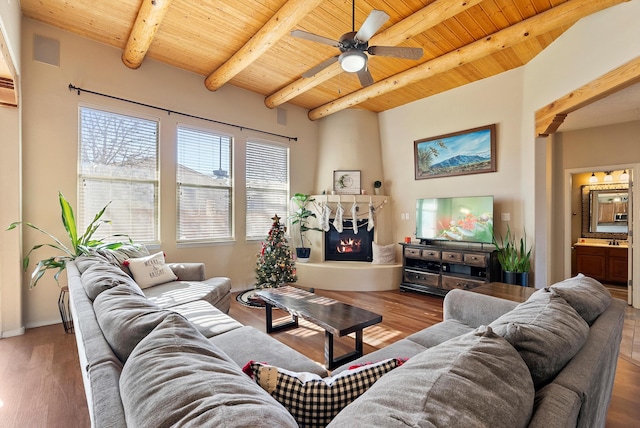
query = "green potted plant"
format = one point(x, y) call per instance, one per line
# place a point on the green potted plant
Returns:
point(376, 186)
point(80, 244)
point(514, 258)
point(301, 218)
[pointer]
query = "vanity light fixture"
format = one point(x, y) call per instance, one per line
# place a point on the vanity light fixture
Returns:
point(624, 176)
point(608, 178)
point(593, 178)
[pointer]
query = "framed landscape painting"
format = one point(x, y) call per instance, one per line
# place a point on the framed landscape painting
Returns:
point(465, 152)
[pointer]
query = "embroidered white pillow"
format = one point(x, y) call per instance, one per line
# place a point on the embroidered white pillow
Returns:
point(383, 254)
point(151, 270)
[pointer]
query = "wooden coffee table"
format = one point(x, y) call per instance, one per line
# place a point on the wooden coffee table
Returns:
point(515, 293)
point(337, 318)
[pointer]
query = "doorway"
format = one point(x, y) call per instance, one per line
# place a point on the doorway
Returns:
point(599, 226)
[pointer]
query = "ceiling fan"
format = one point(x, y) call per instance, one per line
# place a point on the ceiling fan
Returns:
point(353, 46)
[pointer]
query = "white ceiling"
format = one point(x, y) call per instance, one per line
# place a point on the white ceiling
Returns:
point(622, 106)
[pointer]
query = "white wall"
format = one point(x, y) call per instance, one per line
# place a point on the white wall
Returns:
point(50, 146)
point(494, 100)
point(591, 48)
point(11, 322)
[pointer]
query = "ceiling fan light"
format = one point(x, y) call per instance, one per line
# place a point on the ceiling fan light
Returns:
point(352, 60)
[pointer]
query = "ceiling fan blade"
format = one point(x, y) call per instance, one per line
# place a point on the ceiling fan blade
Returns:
point(365, 77)
point(396, 52)
point(314, 38)
point(318, 68)
point(372, 24)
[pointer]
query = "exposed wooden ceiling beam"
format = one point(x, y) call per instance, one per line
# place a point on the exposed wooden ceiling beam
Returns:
point(279, 25)
point(562, 15)
point(150, 16)
point(427, 17)
point(620, 78)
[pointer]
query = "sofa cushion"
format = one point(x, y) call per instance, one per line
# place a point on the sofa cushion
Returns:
point(546, 331)
point(263, 348)
point(118, 256)
point(209, 321)
point(150, 270)
point(176, 377)
point(475, 380)
point(555, 407)
point(126, 318)
point(586, 295)
point(102, 276)
point(312, 400)
point(402, 348)
point(440, 332)
point(176, 293)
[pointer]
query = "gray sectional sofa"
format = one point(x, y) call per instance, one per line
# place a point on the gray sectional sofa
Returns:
point(169, 355)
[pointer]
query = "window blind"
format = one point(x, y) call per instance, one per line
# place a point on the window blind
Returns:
point(204, 185)
point(118, 162)
point(267, 181)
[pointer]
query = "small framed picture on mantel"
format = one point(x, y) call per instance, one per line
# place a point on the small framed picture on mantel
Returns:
point(346, 182)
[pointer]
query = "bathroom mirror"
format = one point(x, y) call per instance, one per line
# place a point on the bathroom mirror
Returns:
point(604, 211)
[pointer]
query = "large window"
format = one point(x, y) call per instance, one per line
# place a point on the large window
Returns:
point(119, 163)
point(267, 169)
point(204, 186)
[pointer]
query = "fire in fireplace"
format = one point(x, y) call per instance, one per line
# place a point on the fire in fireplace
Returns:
point(349, 246)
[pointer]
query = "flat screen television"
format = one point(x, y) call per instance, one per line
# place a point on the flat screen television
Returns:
point(466, 219)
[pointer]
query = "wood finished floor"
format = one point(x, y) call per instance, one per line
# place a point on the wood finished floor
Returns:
point(41, 385)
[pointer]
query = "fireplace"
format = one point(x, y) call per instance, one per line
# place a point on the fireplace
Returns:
point(349, 246)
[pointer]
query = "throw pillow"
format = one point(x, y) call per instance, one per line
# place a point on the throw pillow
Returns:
point(475, 380)
point(586, 295)
point(314, 401)
point(547, 333)
point(176, 377)
point(383, 254)
point(150, 270)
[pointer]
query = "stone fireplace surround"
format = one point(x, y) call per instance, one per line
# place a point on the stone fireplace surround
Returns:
point(349, 275)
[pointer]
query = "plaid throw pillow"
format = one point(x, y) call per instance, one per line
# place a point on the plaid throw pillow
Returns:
point(314, 401)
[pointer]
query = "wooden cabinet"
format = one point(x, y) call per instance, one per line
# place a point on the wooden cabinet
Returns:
point(436, 269)
point(606, 264)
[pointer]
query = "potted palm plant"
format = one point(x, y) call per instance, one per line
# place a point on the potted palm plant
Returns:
point(80, 244)
point(301, 218)
point(514, 258)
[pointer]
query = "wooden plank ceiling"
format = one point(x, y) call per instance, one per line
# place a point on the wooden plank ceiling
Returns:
point(246, 43)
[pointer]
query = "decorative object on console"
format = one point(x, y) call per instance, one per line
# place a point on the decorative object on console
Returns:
point(275, 264)
point(346, 182)
point(514, 259)
point(465, 152)
point(376, 186)
point(301, 218)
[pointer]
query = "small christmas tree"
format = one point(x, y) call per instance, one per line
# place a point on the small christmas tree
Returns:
point(275, 265)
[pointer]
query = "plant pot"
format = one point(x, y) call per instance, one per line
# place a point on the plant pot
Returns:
point(302, 254)
point(509, 277)
point(516, 278)
point(376, 190)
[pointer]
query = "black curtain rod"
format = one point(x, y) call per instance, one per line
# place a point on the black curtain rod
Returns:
point(75, 88)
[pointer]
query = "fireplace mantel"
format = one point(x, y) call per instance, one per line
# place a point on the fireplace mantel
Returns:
point(352, 276)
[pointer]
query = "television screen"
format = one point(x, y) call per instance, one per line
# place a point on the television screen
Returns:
point(468, 219)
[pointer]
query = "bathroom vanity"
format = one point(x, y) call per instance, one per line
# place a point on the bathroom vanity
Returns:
point(606, 263)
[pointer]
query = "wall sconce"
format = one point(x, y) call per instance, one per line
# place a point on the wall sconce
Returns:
point(624, 176)
point(608, 178)
point(593, 178)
